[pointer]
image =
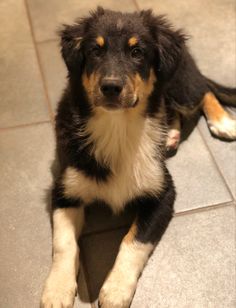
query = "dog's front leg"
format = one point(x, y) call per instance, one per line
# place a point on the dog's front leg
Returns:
point(60, 288)
point(152, 220)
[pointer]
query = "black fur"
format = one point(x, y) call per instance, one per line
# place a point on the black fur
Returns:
point(59, 200)
point(154, 213)
point(71, 149)
point(224, 94)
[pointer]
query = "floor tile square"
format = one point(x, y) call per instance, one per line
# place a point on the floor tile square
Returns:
point(21, 89)
point(197, 180)
point(24, 224)
point(54, 70)
point(194, 264)
point(225, 155)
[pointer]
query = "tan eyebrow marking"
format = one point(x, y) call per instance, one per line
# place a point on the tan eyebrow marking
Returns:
point(78, 42)
point(100, 41)
point(132, 41)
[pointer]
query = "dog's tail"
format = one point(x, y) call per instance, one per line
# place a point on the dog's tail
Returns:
point(226, 95)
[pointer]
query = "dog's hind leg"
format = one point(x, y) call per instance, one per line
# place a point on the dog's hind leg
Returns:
point(60, 287)
point(219, 121)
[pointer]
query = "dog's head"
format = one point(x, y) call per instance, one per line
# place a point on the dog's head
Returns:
point(118, 57)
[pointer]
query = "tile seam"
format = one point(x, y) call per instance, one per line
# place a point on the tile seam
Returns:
point(50, 40)
point(182, 213)
point(3, 129)
point(48, 104)
point(136, 5)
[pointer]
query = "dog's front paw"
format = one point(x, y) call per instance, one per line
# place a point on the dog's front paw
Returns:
point(59, 292)
point(117, 291)
point(225, 128)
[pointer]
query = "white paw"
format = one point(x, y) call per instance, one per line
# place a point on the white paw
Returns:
point(117, 291)
point(59, 292)
point(173, 139)
point(225, 128)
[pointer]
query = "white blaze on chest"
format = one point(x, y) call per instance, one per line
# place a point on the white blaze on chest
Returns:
point(128, 144)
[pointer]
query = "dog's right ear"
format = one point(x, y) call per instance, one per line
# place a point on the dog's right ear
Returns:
point(71, 39)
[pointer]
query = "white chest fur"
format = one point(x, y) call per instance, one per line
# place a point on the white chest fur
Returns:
point(128, 143)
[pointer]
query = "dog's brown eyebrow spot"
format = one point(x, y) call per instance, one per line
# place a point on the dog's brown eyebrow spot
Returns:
point(78, 41)
point(100, 41)
point(132, 41)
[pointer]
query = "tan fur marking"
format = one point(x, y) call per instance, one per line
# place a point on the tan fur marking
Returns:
point(132, 41)
point(78, 42)
point(219, 121)
point(212, 108)
point(90, 83)
point(100, 41)
point(143, 88)
point(131, 234)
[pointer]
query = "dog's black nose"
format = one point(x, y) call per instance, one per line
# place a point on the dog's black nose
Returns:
point(111, 87)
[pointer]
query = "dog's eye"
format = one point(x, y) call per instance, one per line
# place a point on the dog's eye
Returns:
point(96, 51)
point(137, 53)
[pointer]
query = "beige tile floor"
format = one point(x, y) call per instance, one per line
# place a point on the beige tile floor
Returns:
point(194, 265)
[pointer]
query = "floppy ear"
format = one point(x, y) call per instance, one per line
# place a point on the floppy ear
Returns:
point(170, 49)
point(169, 44)
point(71, 39)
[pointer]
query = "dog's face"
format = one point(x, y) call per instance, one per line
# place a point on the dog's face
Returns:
point(118, 57)
point(117, 71)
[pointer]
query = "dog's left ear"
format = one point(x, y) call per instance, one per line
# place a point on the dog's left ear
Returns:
point(169, 44)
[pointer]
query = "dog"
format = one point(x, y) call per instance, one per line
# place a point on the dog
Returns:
point(129, 75)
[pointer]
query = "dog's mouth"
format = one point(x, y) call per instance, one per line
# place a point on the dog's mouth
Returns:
point(117, 105)
point(114, 104)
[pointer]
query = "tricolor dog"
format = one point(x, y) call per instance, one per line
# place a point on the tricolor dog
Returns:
point(128, 75)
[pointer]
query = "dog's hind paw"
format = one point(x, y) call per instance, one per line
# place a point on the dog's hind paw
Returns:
point(225, 128)
point(173, 140)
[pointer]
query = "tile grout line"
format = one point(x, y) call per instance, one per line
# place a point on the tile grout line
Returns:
point(182, 213)
point(50, 40)
point(3, 129)
point(216, 165)
point(136, 5)
point(50, 111)
point(205, 208)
